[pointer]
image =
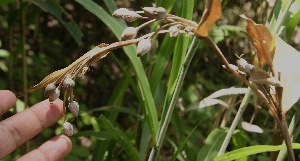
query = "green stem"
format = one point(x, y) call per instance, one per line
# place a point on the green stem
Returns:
point(162, 132)
point(235, 122)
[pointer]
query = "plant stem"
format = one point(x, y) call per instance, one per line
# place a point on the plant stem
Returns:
point(294, 122)
point(162, 132)
point(235, 122)
point(287, 138)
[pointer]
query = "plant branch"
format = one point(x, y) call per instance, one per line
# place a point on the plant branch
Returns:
point(162, 132)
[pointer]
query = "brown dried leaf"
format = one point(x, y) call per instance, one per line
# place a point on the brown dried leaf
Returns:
point(261, 39)
point(262, 77)
point(210, 15)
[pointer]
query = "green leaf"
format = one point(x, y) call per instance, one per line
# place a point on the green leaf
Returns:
point(117, 29)
point(56, 10)
point(244, 152)
point(293, 21)
point(118, 135)
point(4, 2)
point(212, 145)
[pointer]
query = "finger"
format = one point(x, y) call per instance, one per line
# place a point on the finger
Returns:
point(7, 100)
point(23, 126)
point(55, 149)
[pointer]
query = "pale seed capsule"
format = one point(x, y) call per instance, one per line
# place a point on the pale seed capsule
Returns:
point(54, 95)
point(119, 13)
point(155, 13)
point(129, 33)
point(127, 15)
point(68, 129)
point(143, 47)
point(244, 66)
point(50, 88)
point(160, 13)
point(74, 108)
point(68, 84)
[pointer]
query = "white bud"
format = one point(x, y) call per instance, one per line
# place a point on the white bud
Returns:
point(174, 31)
point(68, 84)
point(143, 47)
point(155, 13)
point(129, 33)
point(244, 66)
point(50, 88)
point(119, 13)
point(54, 95)
point(127, 15)
point(68, 129)
point(74, 108)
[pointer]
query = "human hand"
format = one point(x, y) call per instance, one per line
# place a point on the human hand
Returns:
point(16, 130)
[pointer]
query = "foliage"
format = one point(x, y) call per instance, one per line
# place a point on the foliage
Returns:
point(124, 99)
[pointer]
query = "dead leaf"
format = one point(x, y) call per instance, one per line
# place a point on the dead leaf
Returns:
point(261, 39)
point(262, 77)
point(287, 61)
point(210, 15)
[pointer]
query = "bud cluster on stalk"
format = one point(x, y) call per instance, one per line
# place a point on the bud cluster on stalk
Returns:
point(53, 92)
point(171, 24)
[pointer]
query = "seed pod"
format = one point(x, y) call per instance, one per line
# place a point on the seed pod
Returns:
point(127, 15)
point(174, 31)
point(155, 13)
point(54, 95)
point(143, 47)
point(119, 13)
point(68, 84)
point(74, 108)
point(68, 129)
point(244, 66)
point(129, 33)
point(50, 88)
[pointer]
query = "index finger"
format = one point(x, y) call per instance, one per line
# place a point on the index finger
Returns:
point(16, 130)
point(7, 100)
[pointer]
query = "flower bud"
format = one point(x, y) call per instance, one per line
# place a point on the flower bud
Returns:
point(68, 84)
point(127, 15)
point(129, 33)
point(68, 129)
point(50, 88)
point(155, 13)
point(74, 108)
point(54, 95)
point(244, 66)
point(119, 13)
point(174, 31)
point(143, 47)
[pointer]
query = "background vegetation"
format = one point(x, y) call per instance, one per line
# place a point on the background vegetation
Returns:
point(38, 37)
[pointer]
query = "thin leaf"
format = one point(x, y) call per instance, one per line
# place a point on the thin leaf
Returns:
point(228, 91)
point(244, 152)
point(212, 13)
point(212, 145)
point(56, 10)
point(117, 134)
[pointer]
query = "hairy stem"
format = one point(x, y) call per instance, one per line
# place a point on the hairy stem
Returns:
point(162, 132)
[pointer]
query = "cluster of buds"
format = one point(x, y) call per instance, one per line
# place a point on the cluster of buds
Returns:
point(169, 23)
point(53, 92)
point(172, 24)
